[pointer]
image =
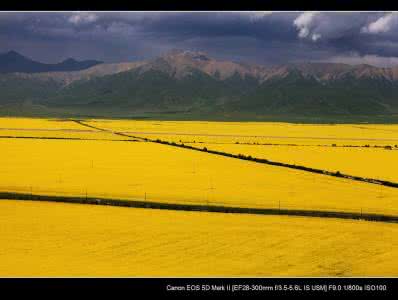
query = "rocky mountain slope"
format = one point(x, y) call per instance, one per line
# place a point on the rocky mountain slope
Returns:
point(186, 81)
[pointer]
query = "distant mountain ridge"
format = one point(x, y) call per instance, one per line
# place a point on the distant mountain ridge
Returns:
point(179, 63)
point(12, 62)
point(193, 82)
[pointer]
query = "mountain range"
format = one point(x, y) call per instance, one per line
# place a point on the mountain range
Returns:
point(12, 62)
point(192, 83)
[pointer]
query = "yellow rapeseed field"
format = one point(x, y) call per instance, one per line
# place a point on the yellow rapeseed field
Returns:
point(32, 123)
point(377, 163)
point(140, 170)
point(50, 128)
point(54, 239)
point(317, 146)
point(261, 132)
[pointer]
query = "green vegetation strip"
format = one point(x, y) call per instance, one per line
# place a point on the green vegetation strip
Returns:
point(254, 159)
point(201, 208)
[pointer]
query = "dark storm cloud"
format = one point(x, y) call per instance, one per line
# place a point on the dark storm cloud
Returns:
point(263, 37)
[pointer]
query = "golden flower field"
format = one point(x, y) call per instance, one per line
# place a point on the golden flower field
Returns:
point(65, 158)
point(54, 239)
point(360, 150)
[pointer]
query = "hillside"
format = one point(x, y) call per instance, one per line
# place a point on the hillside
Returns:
point(192, 83)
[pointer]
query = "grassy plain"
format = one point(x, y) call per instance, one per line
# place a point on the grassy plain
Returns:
point(54, 239)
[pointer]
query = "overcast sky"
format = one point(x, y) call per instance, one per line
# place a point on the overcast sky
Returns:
point(260, 37)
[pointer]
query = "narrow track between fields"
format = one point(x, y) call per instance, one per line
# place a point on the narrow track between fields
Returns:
point(201, 207)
